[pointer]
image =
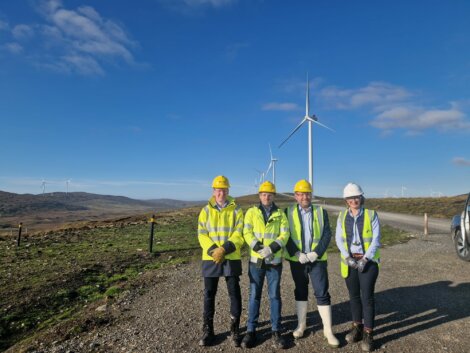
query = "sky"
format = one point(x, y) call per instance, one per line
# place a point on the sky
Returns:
point(154, 98)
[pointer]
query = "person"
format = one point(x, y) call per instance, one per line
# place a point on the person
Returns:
point(310, 236)
point(220, 234)
point(358, 240)
point(266, 232)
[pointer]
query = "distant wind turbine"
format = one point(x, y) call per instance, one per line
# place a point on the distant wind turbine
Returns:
point(403, 188)
point(43, 185)
point(260, 177)
point(67, 182)
point(310, 119)
point(272, 164)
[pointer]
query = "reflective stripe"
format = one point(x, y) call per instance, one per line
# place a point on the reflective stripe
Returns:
point(270, 236)
point(276, 260)
point(219, 229)
point(248, 226)
point(219, 238)
point(258, 235)
point(202, 231)
point(284, 229)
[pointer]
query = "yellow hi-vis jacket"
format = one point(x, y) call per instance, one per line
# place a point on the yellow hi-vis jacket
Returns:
point(275, 230)
point(296, 231)
point(366, 237)
point(215, 228)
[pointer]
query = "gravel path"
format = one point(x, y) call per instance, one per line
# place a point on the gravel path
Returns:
point(422, 299)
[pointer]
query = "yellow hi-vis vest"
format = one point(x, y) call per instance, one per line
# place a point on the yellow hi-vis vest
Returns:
point(295, 225)
point(275, 230)
point(217, 227)
point(366, 237)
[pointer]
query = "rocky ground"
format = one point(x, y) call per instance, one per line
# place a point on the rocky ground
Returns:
point(422, 299)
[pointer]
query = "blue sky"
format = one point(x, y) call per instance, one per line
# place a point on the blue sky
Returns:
point(152, 99)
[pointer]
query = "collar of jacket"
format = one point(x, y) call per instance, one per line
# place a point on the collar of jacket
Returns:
point(230, 201)
point(274, 207)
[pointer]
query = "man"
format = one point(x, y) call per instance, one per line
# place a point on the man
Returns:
point(220, 228)
point(266, 231)
point(310, 236)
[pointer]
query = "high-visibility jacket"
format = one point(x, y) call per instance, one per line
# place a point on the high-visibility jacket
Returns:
point(297, 232)
point(365, 234)
point(216, 227)
point(276, 229)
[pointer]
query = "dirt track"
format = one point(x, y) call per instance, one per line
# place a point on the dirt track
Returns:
point(422, 299)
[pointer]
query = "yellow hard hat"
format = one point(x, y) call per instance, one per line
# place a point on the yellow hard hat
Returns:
point(303, 186)
point(220, 182)
point(267, 186)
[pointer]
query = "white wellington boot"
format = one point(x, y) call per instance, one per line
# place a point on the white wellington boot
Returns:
point(301, 307)
point(325, 314)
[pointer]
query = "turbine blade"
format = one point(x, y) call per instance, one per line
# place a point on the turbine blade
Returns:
point(326, 127)
point(270, 151)
point(269, 168)
point(307, 99)
point(293, 132)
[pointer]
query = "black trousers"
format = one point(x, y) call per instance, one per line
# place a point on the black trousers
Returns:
point(315, 272)
point(361, 287)
point(210, 290)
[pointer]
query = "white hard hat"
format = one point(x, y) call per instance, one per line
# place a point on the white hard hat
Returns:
point(352, 190)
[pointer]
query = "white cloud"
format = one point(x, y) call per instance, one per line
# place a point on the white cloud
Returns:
point(13, 48)
point(75, 40)
point(22, 31)
point(415, 119)
point(214, 3)
point(375, 94)
point(192, 7)
point(460, 161)
point(280, 106)
point(394, 108)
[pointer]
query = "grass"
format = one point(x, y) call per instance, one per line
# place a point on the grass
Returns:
point(439, 207)
point(50, 278)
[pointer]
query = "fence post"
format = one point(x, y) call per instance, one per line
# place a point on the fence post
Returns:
point(152, 224)
point(19, 234)
point(426, 231)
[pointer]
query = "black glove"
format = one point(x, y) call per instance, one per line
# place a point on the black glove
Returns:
point(351, 262)
point(361, 264)
point(258, 246)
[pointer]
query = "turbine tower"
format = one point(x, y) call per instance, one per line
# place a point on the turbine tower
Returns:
point(272, 164)
point(310, 119)
point(67, 182)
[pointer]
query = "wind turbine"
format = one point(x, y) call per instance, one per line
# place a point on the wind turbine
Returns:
point(43, 185)
point(67, 182)
point(272, 164)
point(403, 188)
point(310, 119)
point(260, 177)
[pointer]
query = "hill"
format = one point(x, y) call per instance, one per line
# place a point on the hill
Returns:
point(54, 209)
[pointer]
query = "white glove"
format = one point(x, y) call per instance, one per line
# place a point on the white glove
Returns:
point(312, 256)
point(265, 252)
point(303, 259)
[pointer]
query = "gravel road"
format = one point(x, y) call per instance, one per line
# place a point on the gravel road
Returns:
point(422, 300)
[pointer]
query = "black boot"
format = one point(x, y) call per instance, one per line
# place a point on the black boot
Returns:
point(278, 341)
point(235, 331)
point(207, 333)
point(249, 340)
point(356, 333)
point(367, 344)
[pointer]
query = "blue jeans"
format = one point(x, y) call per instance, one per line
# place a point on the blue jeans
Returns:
point(257, 275)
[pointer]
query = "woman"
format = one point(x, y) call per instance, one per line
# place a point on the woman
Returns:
point(358, 240)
